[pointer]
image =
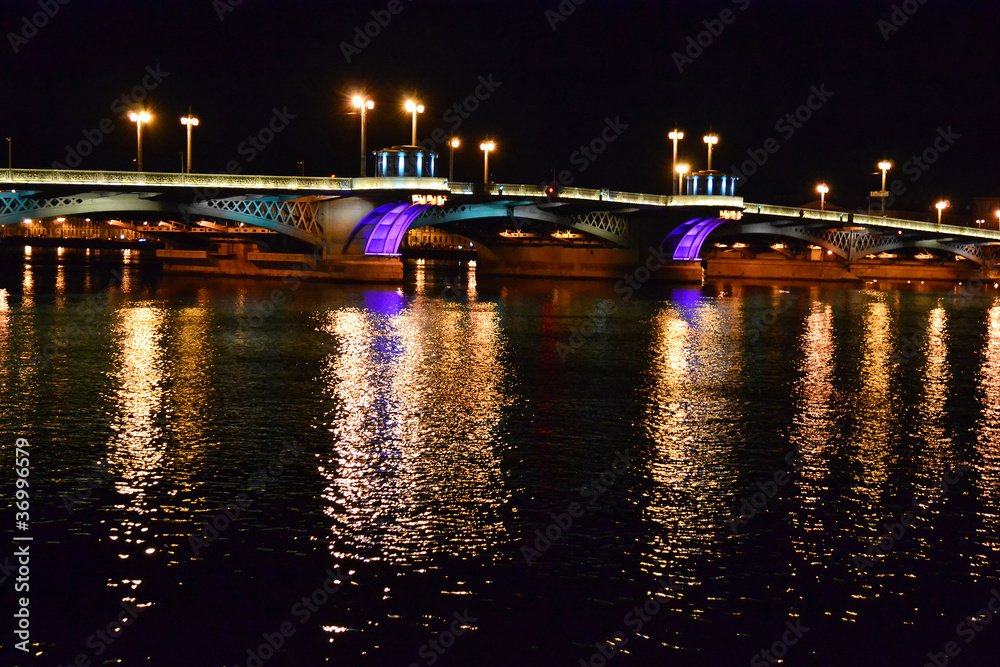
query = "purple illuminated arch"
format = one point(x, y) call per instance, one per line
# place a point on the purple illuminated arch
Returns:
point(388, 225)
point(689, 236)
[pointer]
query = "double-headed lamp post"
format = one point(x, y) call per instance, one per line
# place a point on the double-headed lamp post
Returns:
point(486, 147)
point(884, 166)
point(139, 117)
point(189, 121)
point(822, 189)
point(681, 170)
point(710, 139)
point(675, 136)
point(414, 109)
point(452, 145)
point(365, 105)
point(941, 206)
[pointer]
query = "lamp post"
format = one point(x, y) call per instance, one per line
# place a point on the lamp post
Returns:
point(885, 166)
point(486, 147)
point(675, 136)
point(139, 117)
point(189, 121)
point(941, 206)
point(365, 105)
point(710, 139)
point(414, 109)
point(10, 162)
point(681, 169)
point(452, 145)
point(822, 189)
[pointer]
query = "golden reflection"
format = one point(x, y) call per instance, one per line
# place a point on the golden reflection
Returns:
point(988, 446)
point(136, 447)
point(416, 392)
point(696, 367)
point(875, 403)
point(28, 287)
point(935, 432)
point(61, 285)
point(815, 426)
point(5, 329)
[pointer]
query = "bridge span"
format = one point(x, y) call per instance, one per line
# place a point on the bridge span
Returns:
point(353, 228)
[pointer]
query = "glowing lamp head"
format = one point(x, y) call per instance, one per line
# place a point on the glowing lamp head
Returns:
point(139, 117)
point(360, 102)
point(487, 146)
point(885, 166)
point(711, 139)
point(189, 120)
point(675, 135)
point(683, 169)
point(412, 107)
point(941, 205)
point(454, 142)
point(822, 189)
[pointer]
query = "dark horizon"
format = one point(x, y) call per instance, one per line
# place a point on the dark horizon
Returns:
point(547, 83)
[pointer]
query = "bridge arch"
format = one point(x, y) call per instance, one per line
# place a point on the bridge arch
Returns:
point(295, 217)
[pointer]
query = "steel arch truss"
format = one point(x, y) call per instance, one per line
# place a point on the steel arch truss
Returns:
point(605, 225)
point(293, 217)
point(852, 246)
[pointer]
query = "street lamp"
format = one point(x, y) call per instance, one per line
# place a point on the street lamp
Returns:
point(486, 147)
point(885, 166)
point(711, 140)
point(414, 108)
point(822, 189)
point(941, 206)
point(681, 169)
point(452, 145)
point(10, 162)
point(365, 105)
point(139, 117)
point(189, 121)
point(675, 136)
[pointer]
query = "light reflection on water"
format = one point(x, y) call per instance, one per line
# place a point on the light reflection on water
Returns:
point(416, 394)
point(419, 409)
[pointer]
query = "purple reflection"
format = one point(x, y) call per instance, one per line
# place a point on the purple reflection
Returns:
point(384, 302)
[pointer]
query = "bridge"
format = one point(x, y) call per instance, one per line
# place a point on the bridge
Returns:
point(522, 229)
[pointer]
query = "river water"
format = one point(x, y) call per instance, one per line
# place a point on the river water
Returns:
point(510, 472)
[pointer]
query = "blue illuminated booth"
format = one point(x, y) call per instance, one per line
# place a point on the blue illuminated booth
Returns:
point(715, 183)
point(405, 161)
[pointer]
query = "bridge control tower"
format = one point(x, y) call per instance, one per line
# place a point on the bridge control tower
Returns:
point(405, 161)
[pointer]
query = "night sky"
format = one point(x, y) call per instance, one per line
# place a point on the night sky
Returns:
point(557, 81)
